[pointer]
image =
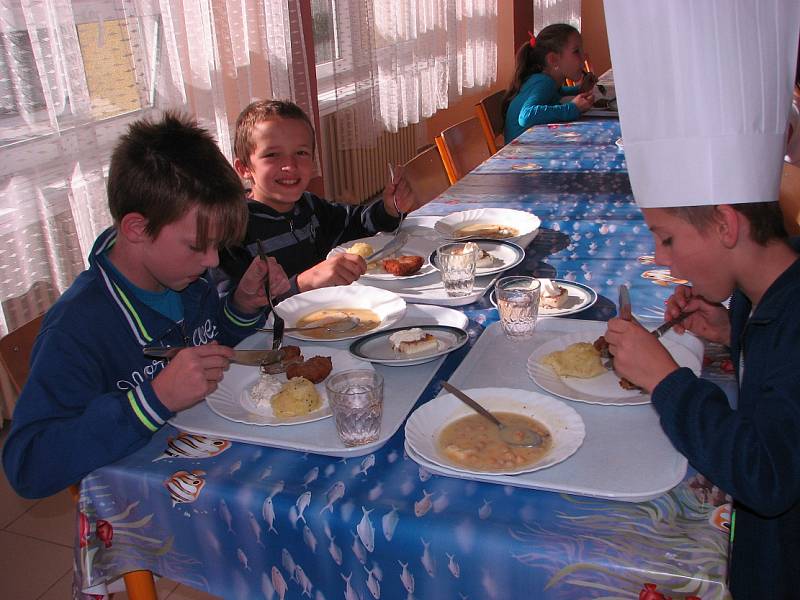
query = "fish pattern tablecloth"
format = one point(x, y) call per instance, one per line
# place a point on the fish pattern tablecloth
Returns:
point(245, 521)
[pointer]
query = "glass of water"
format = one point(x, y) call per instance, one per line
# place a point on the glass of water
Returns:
point(356, 399)
point(518, 303)
point(457, 264)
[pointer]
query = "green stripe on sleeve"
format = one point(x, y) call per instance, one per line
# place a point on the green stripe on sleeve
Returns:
point(237, 321)
point(138, 411)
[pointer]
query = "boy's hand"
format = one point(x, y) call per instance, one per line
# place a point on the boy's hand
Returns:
point(638, 356)
point(250, 296)
point(406, 198)
point(584, 101)
point(342, 269)
point(708, 320)
point(192, 375)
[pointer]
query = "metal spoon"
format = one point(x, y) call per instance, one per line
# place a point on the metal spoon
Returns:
point(513, 435)
point(339, 326)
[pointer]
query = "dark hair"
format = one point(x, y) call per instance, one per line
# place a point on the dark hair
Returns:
point(532, 60)
point(163, 169)
point(766, 219)
point(258, 112)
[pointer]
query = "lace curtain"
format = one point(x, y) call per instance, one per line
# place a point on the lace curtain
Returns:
point(546, 12)
point(75, 73)
point(391, 63)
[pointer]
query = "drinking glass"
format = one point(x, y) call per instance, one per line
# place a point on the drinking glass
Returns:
point(518, 303)
point(356, 399)
point(457, 264)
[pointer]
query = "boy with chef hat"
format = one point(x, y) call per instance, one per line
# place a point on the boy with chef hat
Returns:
point(704, 155)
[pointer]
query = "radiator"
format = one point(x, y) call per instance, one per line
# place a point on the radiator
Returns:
point(354, 175)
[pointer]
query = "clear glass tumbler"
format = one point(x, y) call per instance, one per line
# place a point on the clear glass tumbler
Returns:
point(457, 264)
point(518, 303)
point(356, 399)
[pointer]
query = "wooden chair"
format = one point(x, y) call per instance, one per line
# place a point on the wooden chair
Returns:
point(490, 114)
point(463, 147)
point(15, 358)
point(426, 174)
point(790, 198)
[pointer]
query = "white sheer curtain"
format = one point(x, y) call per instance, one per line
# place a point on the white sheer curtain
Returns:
point(75, 73)
point(391, 63)
point(546, 12)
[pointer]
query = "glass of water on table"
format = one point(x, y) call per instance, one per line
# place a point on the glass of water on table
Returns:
point(518, 303)
point(356, 399)
point(457, 264)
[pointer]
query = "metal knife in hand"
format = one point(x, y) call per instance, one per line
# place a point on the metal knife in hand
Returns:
point(393, 246)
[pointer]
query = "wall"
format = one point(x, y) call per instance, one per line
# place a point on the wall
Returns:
point(595, 38)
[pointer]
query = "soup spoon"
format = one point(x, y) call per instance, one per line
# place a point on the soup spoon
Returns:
point(513, 435)
point(338, 326)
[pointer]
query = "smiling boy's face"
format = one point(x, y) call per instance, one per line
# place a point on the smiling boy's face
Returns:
point(281, 163)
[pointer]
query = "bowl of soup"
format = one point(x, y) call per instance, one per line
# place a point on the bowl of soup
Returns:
point(490, 223)
point(376, 309)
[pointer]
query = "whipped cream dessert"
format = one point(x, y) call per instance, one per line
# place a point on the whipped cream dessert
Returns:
point(414, 341)
point(551, 294)
point(483, 259)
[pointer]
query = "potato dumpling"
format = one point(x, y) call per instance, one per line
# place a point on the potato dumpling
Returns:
point(576, 360)
point(361, 248)
point(297, 397)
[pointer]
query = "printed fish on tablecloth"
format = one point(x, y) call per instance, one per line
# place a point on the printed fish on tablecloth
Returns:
point(191, 445)
point(184, 487)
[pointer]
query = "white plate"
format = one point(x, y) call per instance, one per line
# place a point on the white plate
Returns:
point(565, 425)
point(231, 399)
point(605, 388)
point(387, 305)
point(524, 222)
point(414, 245)
point(580, 298)
point(377, 348)
point(508, 253)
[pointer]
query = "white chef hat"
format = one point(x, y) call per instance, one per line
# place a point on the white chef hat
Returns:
point(704, 90)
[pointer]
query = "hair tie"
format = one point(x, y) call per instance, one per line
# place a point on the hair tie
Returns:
point(533, 39)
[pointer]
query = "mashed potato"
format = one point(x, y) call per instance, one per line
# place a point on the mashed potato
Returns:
point(576, 360)
point(297, 397)
point(361, 248)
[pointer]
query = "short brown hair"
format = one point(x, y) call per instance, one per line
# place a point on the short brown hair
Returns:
point(258, 112)
point(163, 169)
point(766, 219)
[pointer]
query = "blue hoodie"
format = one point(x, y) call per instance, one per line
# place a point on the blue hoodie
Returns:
point(88, 400)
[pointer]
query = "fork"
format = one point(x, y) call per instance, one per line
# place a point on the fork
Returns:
point(278, 323)
point(394, 199)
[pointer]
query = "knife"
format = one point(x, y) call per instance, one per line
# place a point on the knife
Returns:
point(252, 358)
point(625, 312)
point(393, 246)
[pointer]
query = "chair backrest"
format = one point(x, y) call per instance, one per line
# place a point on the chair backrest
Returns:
point(490, 114)
point(426, 174)
point(15, 351)
point(790, 198)
point(463, 147)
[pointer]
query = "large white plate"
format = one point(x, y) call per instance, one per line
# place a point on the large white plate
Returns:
point(414, 245)
point(565, 425)
point(377, 348)
point(508, 254)
point(231, 398)
point(580, 298)
point(524, 222)
point(605, 388)
point(387, 305)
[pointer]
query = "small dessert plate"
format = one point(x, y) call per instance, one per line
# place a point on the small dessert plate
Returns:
point(377, 348)
point(580, 297)
point(504, 256)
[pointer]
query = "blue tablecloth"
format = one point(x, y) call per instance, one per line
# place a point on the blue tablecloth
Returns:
point(244, 521)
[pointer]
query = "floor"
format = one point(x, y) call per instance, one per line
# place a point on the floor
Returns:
point(36, 548)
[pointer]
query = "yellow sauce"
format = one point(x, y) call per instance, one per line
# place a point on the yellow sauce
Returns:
point(369, 320)
point(475, 443)
point(487, 230)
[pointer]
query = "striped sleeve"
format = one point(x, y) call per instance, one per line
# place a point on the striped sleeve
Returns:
point(147, 408)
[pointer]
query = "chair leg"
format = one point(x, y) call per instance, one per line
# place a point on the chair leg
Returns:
point(140, 585)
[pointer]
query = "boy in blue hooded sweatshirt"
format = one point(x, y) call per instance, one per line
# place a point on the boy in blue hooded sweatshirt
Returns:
point(92, 397)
